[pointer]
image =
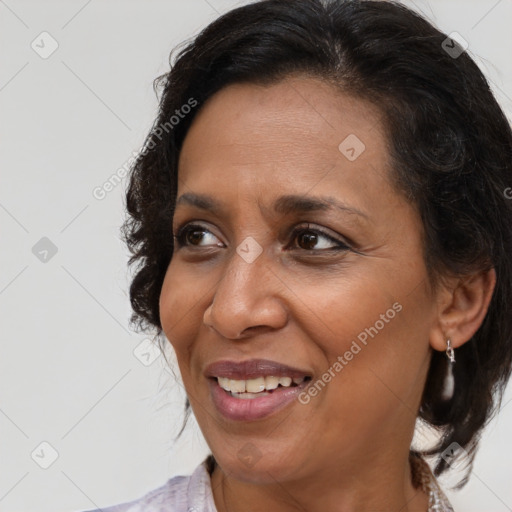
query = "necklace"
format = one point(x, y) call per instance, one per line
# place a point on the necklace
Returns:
point(423, 477)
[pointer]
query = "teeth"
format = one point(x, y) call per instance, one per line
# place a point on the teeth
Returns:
point(237, 386)
point(223, 383)
point(285, 381)
point(257, 385)
point(245, 396)
point(271, 382)
point(254, 385)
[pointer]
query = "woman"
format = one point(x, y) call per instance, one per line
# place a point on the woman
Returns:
point(321, 218)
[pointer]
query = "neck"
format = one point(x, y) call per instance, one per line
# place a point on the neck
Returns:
point(377, 486)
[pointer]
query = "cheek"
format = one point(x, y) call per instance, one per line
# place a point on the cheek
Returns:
point(375, 322)
point(337, 309)
point(181, 302)
point(393, 359)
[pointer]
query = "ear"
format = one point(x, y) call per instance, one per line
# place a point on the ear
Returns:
point(462, 304)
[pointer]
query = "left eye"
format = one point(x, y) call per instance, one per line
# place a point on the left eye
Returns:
point(315, 240)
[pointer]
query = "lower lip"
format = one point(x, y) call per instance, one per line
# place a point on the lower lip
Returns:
point(250, 409)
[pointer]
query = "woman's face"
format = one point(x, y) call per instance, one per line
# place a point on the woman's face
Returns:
point(301, 253)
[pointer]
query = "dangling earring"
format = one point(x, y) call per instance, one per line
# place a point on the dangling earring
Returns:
point(449, 382)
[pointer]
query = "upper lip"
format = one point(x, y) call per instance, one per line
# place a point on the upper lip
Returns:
point(252, 368)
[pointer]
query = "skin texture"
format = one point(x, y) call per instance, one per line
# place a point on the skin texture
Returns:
point(300, 304)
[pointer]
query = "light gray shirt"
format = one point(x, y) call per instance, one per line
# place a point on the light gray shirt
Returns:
point(192, 493)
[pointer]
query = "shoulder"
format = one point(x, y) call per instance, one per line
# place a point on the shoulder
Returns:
point(178, 494)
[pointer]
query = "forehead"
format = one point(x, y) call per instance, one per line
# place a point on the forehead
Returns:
point(295, 118)
point(299, 134)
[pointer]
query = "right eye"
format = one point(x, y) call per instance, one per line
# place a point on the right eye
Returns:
point(193, 235)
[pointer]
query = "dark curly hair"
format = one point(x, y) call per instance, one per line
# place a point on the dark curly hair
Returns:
point(450, 144)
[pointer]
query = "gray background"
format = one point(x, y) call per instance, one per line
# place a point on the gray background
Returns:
point(69, 371)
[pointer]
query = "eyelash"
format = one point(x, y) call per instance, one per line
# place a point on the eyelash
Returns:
point(183, 231)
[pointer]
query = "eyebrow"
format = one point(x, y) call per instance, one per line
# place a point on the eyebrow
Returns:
point(284, 205)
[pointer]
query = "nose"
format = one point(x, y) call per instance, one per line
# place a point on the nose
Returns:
point(248, 299)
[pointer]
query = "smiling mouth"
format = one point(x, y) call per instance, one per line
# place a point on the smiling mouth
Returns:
point(259, 386)
point(254, 389)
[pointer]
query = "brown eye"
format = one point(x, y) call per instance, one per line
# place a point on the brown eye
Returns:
point(307, 240)
point(315, 240)
point(196, 235)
